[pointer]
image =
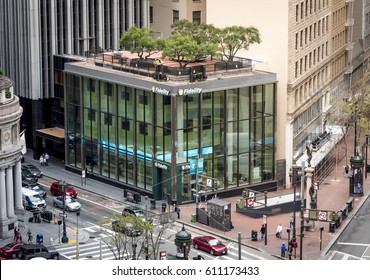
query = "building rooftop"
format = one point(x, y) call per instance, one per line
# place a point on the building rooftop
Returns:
point(166, 70)
point(164, 76)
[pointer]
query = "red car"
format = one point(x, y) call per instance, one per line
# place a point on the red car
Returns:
point(11, 250)
point(56, 189)
point(210, 244)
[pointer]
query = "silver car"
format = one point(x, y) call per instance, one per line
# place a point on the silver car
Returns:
point(71, 203)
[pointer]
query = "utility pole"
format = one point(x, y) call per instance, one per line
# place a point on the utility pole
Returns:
point(302, 206)
point(77, 242)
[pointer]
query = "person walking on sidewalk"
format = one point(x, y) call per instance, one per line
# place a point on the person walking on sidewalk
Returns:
point(30, 236)
point(279, 231)
point(283, 249)
point(46, 158)
point(41, 160)
point(263, 232)
point(18, 236)
point(290, 250)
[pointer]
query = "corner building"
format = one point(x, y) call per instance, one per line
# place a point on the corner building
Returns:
point(142, 133)
point(10, 159)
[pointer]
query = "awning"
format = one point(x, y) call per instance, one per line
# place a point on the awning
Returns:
point(55, 134)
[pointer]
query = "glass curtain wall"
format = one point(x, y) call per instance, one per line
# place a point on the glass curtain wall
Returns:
point(73, 131)
point(125, 130)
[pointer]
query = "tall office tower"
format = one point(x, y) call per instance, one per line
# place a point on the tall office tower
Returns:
point(10, 158)
point(318, 48)
point(33, 31)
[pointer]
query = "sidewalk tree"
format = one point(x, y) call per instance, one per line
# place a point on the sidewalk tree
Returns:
point(141, 41)
point(234, 38)
point(125, 245)
point(1, 72)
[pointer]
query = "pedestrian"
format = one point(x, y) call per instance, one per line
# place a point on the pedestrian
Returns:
point(15, 233)
point(291, 222)
point(47, 158)
point(290, 250)
point(45, 163)
point(178, 212)
point(279, 231)
point(30, 236)
point(18, 236)
point(283, 249)
point(263, 232)
point(41, 160)
point(346, 168)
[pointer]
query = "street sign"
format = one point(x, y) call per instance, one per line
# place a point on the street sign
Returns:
point(193, 167)
point(251, 194)
point(62, 215)
point(163, 255)
point(322, 216)
point(209, 182)
point(250, 202)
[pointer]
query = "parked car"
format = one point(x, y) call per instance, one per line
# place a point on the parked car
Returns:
point(33, 169)
point(11, 250)
point(56, 189)
point(35, 187)
point(137, 212)
point(71, 203)
point(30, 251)
point(127, 228)
point(210, 244)
point(27, 176)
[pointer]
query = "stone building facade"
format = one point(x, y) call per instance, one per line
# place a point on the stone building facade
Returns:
point(10, 158)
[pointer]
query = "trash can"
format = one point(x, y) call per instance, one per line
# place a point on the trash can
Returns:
point(194, 218)
point(164, 206)
point(39, 239)
point(254, 235)
point(332, 227)
point(152, 203)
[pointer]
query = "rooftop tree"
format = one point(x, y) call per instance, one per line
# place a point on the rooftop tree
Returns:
point(141, 41)
point(234, 38)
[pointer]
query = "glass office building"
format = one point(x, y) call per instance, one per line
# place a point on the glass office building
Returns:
point(143, 134)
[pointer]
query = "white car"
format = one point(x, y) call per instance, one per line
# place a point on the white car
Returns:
point(71, 203)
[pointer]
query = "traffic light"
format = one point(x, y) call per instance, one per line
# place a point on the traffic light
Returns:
point(59, 222)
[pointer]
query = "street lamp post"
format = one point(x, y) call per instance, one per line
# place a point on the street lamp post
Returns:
point(294, 179)
point(65, 237)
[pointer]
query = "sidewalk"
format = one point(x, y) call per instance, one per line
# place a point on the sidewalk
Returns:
point(332, 195)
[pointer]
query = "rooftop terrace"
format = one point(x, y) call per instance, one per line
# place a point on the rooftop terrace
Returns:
point(165, 70)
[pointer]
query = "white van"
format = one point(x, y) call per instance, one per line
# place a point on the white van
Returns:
point(32, 200)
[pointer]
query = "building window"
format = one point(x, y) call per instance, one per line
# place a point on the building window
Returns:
point(108, 119)
point(166, 100)
point(207, 122)
point(167, 128)
point(91, 115)
point(175, 16)
point(143, 99)
point(196, 17)
point(151, 14)
point(108, 89)
point(125, 95)
point(125, 124)
point(207, 95)
point(188, 125)
point(143, 128)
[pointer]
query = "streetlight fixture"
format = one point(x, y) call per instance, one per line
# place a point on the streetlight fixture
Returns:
point(65, 237)
point(357, 163)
